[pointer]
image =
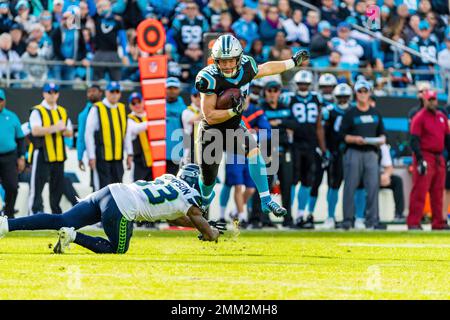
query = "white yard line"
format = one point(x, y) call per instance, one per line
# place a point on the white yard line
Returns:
point(394, 245)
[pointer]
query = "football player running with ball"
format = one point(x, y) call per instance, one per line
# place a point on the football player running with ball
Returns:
point(118, 205)
point(232, 69)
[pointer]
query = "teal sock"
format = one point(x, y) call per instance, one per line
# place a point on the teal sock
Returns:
point(292, 194)
point(224, 195)
point(206, 190)
point(302, 196)
point(332, 199)
point(258, 173)
point(360, 203)
point(312, 204)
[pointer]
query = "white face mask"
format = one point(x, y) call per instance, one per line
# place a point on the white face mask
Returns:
point(302, 93)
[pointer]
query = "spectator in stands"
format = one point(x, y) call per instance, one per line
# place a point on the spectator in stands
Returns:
point(94, 94)
point(362, 139)
point(193, 60)
point(6, 20)
point(132, 73)
point(236, 9)
point(270, 26)
point(7, 54)
point(279, 45)
point(246, 28)
point(224, 25)
point(34, 67)
point(400, 71)
point(46, 20)
point(68, 47)
point(430, 135)
point(173, 67)
point(109, 38)
point(346, 9)
point(426, 44)
point(349, 49)
point(412, 29)
point(163, 8)
point(329, 12)
point(48, 130)
point(189, 27)
point(18, 42)
point(174, 133)
point(388, 180)
point(104, 153)
point(296, 30)
point(444, 63)
point(57, 13)
point(437, 25)
point(44, 41)
point(213, 11)
point(312, 21)
point(23, 15)
point(285, 9)
point(257, 51)
point(12, 154)
point(320, 43)
point(424, 8)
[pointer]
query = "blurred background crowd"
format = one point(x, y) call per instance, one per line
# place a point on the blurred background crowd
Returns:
point(91, 40)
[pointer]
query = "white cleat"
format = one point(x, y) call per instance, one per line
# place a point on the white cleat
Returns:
point(360, 224)
point(3, 226)
point(66, 236)
point(329, 224)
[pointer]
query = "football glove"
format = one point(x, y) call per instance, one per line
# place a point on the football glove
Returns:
point(422, 167)
point(299, 57)
point(238, 104)
point(221, 226)
point(324, 157)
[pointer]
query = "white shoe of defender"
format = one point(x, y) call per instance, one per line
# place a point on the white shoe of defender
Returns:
point(329, 224)
point(360, 224)
point(66, 236)
point(3, 226)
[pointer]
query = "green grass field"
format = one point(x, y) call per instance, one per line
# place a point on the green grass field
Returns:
point(253, 265)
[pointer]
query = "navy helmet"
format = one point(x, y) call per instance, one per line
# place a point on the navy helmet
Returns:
point(190, 173)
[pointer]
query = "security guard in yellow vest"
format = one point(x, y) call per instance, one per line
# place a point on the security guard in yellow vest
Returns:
point(105, 136)
point(137, 143)
point(190, 119)
point(49, 125)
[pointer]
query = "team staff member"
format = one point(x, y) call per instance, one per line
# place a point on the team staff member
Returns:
point(94, 94)
point(12, 154)
point(276, 112)
point(105, 135)
point(429, 134)
point(49, 125)
point(363, 132)
point(136, 140)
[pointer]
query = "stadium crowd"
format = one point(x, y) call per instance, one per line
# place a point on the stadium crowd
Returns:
point(75, 34)
point(36, 31)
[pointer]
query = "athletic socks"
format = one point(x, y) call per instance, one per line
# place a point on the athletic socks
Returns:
point(224, 196)
point(95, 244)
point(258, 173)
point(360, 203)
point(332, 199)
point(312, 204)
point(205, 189)
point(302, 197)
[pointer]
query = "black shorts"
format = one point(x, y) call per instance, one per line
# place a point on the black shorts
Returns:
point(212, 142)
point(304, 166)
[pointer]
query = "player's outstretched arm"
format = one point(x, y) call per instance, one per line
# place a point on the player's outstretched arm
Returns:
point(202, 225)
point(212, 115)
point(276, 67)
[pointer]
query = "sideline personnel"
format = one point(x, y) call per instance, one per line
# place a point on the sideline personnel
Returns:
point(12, 154)
point(49, 125)
point(429, 135)
point(105, 134)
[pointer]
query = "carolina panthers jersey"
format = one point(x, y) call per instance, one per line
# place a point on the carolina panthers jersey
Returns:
point(165, 198)
point(189, 31)
point(210, 81)
point(306, 111)
point(332, 128)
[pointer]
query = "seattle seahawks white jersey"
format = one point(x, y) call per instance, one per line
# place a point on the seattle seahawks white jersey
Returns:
point(165, 198)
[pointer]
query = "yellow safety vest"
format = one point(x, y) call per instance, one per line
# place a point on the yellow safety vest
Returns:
point(52, 144)
point(113, 126)
point(143, 142)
